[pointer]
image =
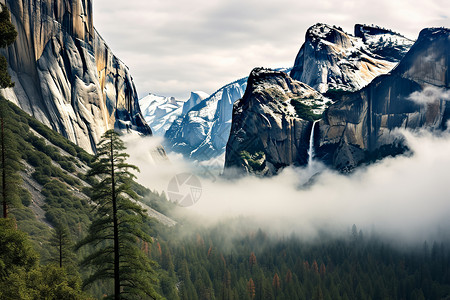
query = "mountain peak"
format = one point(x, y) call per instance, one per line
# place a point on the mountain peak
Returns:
point(328, 33)
point(333, 60)
point(428, 61)
point(195, 98)
point(259, 74)
point(433, 32)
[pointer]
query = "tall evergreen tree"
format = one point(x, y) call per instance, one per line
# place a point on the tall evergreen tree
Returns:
point(9, 159)
point(63, 244)
point(116, 227)
point(8, 35)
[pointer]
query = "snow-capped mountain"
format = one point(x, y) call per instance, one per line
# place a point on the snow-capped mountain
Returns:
point(194, 99)
point(160, 112)
point(333, 60)
point(203, 132)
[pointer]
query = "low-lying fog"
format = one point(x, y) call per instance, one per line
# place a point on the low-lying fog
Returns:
point(404, 198)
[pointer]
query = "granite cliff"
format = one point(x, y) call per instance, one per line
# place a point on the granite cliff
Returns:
point(361, 126)
point(269, 131)
point(65, 74)
point(271, 123)
point(332, 60)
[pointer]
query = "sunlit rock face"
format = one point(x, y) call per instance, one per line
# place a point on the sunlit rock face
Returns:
point(331, 60)
point(360, 126)
point(267, 132)
point(65, 74)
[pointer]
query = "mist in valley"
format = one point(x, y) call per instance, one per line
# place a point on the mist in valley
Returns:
point(403, 199)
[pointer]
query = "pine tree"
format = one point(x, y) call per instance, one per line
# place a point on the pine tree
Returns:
point(9, 160)
point(63, 244)
point(8, 35)
point(276, 284)
point(15, 249)
point(252, 260)
point(116, 226)
point(251, 289)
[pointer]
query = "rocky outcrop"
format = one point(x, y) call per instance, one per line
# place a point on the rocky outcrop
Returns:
point(270, 129)
point(202, 133)
point(360, 127)
point(331, 60)
point(65, 74)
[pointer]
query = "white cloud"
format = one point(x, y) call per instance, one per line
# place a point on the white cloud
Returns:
point(429, 94)
point(403, 198)
point(175, 46)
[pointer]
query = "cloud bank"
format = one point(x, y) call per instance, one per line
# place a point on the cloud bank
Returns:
point(404, 198)
point(430, 94)
point(174, 47)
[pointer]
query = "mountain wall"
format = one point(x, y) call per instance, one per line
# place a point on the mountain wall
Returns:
point(332, 60)
point(65, 74)
point(270, 129)
point(360, 127)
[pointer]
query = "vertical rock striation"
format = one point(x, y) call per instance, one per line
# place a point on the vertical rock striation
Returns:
point(360, 127)
point(66, 76)
point(267, 132)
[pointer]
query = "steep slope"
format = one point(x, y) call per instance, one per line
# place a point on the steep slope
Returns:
point(333, 60)
point(160, 112)
point(203, 131)
point(360, 126)
point(54, 183)
point(66, 76)
point(271, 124)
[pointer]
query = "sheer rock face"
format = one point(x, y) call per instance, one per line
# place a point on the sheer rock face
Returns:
point(361, 125)
point(65, 74)
point(266, 132)
point(331, 59)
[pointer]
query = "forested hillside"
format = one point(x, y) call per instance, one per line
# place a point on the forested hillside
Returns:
point(231, 260)
point(48, 191)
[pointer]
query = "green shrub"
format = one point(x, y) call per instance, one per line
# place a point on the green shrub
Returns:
point(25, 197)
point(36, 158)
point(304, 111)
point(68, 166)
point(84, 156)
point(255, 161)
point(40, 178)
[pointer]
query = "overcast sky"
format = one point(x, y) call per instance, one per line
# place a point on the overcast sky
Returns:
point(173, 47)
